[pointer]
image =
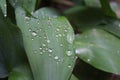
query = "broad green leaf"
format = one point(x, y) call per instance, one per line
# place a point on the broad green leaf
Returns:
point(21, 72)
point(49, 45)
point(3, 70)
point(107, 8)
point(73, 78)
point(3, 7)
point(29, 5)
point(11, 47)
point(93, 3)
point(85, 18)
point(113, 27)
point(100, 49)
point(46, 12)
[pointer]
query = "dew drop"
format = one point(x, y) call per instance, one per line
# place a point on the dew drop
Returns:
point(5, 15)
point(48, 41)
point(56, 36)
point(49, 54)
point(50, 50)
point(43, 44)
point(61, 45)
point(30, 29)
point(60, 35)
point(88, 60)
point(70, 38)
point(34, 33)
point(40, 48)
point(69, 53)
point(56, 58)
point(41, 53)
point(27, 18)
point(69, 66)
point(57, 29)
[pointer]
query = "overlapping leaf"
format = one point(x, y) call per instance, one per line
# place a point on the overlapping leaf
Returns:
point(49, 44)
point(100, 49)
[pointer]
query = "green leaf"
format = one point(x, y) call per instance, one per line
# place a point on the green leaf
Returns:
point(21, 72)
point(73, 78)
point(3, 70)
point(49, 45)
point(85, 18)
point(93, 3)
point(107, 8)
point(3, 7)
point(100, 49)
point(29, 5)
point(113, 27)
point(11, 47)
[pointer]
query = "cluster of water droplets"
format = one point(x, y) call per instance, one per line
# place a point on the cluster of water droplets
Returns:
point(38, 33)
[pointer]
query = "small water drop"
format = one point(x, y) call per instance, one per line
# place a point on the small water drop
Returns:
point(41, 53)
point(5, 15)
point(70, 38)
point(34, 33)
point(50, 50)
point(88, 60)
point(32, 39)
point(69, 66)
point(57, 29)
point(56, 36)
point(60, 35)
point(27, 18)
point(48, 41)
point(30, 29)
point(43, 44)
point(40, 48)
point(61, 45)
point(56, 58)
point(49, 54)
point(69, 53)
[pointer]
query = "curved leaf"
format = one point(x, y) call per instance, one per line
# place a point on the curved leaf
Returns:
point(3, 7)
point(21, 72)
point(100, 49)
point(85, 18)
point(73, 78)
point(29, 5)
point(11, 47)
point(49, 45)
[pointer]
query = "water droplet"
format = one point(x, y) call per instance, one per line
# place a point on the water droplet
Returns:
point(49, 54)
point(57, 29)
point(69, 66)
point(56, 35)
point(50, 50)
point(60, 35)
point(40, 48)
point(61, 45)
point(70, 38)
point(56, 58)
point(48, 41)
point(69, 53)
point(41, 53)
point(34, 33)
point(88, 60)
point(32, 39)
point(27, 18)
point(43, 44)
point(5, 15)
point(30, 29)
